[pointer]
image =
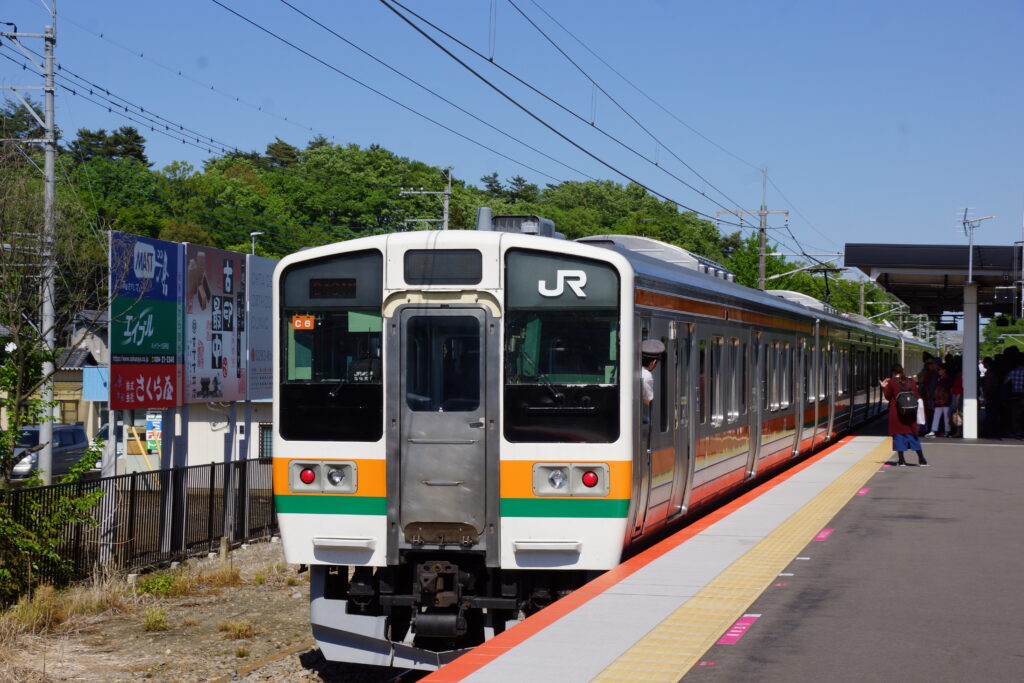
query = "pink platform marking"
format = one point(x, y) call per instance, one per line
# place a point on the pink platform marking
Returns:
point(736, 631)
point(706, 663)
point(886, 466)
point(863, 492)
point(823, 534)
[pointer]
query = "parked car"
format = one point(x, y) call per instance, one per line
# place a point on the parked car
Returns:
point(69, 445)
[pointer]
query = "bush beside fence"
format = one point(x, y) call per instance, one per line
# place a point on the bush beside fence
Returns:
point(148, 518)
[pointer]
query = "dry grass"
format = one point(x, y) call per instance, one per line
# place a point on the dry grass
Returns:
point(224, 576)
point(237, 630)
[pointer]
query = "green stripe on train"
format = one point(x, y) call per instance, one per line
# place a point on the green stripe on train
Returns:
point(564, 507)
point(332, 505)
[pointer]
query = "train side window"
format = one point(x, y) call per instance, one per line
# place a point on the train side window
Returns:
point(665, 390)
point(822, 373)
point(732, 380)
point(744, 379)
point(702, 410)
point(715, 374)
point(766, 372)
point(809, 373)
point(787, 376)
point(776, 376)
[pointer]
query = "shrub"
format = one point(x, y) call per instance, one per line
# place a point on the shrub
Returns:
point(162, 584)
point(155, 619)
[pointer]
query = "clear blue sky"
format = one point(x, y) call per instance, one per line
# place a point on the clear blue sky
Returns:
point(878, 120)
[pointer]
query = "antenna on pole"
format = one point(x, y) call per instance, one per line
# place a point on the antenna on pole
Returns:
point(970, 225)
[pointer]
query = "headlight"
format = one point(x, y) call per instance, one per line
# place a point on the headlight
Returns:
point(557, 479)
point(336, 476)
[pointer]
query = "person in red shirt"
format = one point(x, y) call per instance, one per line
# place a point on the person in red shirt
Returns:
point(904, 434)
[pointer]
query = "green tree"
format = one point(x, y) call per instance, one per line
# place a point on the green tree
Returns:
point(1000, 333)
point(123, 144)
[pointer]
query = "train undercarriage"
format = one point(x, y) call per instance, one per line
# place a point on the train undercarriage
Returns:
point(428, 609)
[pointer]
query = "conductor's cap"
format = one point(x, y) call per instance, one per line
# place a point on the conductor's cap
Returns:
point(652, 347)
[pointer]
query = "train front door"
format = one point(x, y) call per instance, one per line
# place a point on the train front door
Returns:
point(442, 425)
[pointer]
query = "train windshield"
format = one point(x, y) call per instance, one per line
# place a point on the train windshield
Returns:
point(561, 349)
point(331, 378)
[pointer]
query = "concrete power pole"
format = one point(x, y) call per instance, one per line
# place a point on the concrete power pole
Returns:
point(49, 141)
point(762, 229)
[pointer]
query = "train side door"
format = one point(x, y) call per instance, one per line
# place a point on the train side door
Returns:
point(443, 413)
point(661, 452)
point(754, 405)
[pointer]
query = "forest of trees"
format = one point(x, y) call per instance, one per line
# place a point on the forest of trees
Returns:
point(299, 197)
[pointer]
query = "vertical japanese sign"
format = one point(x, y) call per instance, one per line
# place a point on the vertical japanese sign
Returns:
point(215, 324)
point(259, 320)
point(145, 322)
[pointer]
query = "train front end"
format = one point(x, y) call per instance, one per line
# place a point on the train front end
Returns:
point(454, 413)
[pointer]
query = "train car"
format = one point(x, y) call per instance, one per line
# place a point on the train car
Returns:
point(459, 435)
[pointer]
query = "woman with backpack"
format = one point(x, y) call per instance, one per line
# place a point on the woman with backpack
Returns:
point(902, 394)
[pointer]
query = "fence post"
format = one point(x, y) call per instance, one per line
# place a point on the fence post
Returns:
point(129, 556)
point(209, 507)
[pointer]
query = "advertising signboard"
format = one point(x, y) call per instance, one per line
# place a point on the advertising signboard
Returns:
point(145, 322)
point(215, 325)
point(259, 327)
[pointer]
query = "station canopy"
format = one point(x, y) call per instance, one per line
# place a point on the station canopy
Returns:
point(930, 278)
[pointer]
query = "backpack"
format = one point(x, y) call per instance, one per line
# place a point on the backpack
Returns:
point(906, 403)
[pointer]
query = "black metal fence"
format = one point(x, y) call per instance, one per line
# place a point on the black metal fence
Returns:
point(147, 518)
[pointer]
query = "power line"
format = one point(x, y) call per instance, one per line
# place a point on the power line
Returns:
point(182, 74)
point(619, 105)
point(378, 92)
point(537, 118)
point(676, 118)
point(124, 112)
point(433, 92)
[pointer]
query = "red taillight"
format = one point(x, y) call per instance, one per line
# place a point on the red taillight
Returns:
point(590, 479)
point(307, 476)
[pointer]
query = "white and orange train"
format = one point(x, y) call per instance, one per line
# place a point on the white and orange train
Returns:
point(459, 435)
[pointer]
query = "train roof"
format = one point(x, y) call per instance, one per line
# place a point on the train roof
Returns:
point(663, 266)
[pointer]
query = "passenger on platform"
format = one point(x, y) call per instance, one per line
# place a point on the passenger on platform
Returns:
point(1015, 399)
point(927, 379)
point(650, 352)
point(942, 398)
point(956, 408)
point(903, 430)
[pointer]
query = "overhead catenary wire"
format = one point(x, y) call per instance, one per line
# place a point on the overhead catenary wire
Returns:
point(621, 107)
point(558, 104)
point(676, 118)
point(434, 92)
point(380, 93)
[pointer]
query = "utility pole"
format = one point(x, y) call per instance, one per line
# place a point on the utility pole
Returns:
point(49, 142)
point(970, 225)
point(762, 229)
point(447, 192)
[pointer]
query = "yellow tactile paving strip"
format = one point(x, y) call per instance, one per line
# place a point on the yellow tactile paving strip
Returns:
point(678, 642)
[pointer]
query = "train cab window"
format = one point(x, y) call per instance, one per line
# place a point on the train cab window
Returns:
point(331, 378)
point(717, 373)
point(561, 350)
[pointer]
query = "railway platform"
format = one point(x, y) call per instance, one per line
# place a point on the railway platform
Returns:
point(843, 568)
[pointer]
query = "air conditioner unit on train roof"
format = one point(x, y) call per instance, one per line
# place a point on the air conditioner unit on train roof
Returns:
point(669, 253)
point(803, 299)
